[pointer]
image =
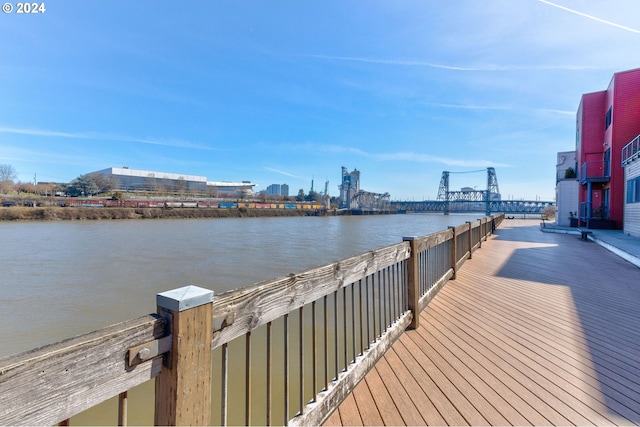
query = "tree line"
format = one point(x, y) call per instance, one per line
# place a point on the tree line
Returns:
point(84, 185)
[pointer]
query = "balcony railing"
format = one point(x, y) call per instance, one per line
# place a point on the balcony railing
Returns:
point(631, 151)
point(594, 171)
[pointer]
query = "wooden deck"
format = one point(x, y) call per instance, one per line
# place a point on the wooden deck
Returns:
point(537, 329)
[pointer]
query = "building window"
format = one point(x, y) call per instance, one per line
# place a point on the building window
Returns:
point(633, 190)
point(607, 120)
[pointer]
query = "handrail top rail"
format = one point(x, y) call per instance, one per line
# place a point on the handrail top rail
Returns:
point(151, 320)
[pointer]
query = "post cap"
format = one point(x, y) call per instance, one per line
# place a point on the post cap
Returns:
point(409, 238)
point(184, 298)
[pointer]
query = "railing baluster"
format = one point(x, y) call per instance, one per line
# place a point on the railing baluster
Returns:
point(374, 312)
point(286, 368)
point(301, 333)
point(247, 401)
point(122, 409)
point(314, 356)
point(405, 279)
point(224, 365)
point(396, 300)
point(268, 380)
point(335, 332)
point(326, 344)
point(361, 320)
point(384, 298)
point(344, 315)
point(353, 320)
point(378, 307)
point(366, 289)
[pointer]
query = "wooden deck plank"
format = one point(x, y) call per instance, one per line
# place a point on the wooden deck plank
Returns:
point(536, 329)
point(384, 403)
point(422, 402)
point(518, 369)
point(367, 407)
point(550, 306)
point(467, 409)
point(484, 386)
point(334, 418)
point(547, 377)
point(348, 413)
point(560, 328)
point(406, 408)
point(444, 406)
point(533, 408)
point(473, 391)
point(552, 349)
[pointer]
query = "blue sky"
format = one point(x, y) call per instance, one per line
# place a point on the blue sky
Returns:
point(286, 91)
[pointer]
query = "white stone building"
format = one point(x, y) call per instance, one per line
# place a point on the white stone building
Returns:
point(567, 189)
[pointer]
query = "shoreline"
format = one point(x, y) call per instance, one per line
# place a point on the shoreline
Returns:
point(54, 213)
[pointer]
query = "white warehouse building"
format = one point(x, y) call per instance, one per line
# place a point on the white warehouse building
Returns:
point(126, 179)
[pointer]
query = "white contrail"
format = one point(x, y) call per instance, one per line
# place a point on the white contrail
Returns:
point(282, 172)
point(613, 24)
point(102, 137)
point(394, 62)
point(450, 67)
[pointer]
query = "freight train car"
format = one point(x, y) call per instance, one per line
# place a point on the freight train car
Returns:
point(134, 203)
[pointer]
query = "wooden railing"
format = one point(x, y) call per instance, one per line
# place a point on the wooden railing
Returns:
point(285, 351)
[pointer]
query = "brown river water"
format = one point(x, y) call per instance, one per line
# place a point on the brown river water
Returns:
point(61, 279)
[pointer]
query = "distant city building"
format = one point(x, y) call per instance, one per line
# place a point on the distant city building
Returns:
point(278, 190)
point(131, 180)
point(273, 190)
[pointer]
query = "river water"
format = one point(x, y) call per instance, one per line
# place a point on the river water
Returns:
point(61, 279)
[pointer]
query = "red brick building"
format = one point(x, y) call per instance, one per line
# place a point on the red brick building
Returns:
point(606, 121)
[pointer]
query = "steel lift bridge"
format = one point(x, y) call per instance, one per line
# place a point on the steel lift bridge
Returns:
point(470, 200)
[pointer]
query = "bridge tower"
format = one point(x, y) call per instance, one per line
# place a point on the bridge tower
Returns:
point(492, 184)
point(443, 191)
point(493, 192)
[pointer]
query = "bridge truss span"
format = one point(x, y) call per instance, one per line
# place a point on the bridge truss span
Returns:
point(468, 200)
point(470, 206)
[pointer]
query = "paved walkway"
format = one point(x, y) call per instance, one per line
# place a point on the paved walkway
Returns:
point(537, 329)
point(616, 241)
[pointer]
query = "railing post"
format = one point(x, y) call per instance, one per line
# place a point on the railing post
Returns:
point(413, 282)
point(183, 388)
point(454, 252)
point(470, 240)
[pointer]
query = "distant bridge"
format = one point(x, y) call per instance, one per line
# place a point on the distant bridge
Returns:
point(506, 206)
point(471, 200)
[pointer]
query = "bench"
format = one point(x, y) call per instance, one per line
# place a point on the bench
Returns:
point(584, 234)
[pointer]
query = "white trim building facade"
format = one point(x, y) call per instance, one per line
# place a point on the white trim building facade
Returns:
point(631, 165)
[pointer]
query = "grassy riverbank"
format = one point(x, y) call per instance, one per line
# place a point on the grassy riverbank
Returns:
point(84, 213)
